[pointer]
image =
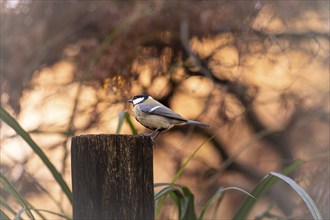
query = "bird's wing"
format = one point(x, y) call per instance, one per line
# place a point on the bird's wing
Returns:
point(162, 111)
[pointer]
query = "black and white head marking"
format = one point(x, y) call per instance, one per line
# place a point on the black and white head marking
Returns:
point(139, 99)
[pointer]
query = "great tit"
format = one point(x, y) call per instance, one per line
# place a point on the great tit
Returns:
point(155, 116)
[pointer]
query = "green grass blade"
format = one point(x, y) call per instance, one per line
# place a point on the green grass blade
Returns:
point(182, 198)
point(44, 190)
point(164, 191)
point(3, 215)
point(41, 216)
point(54, 213)
point(43, 210)
point(19, 213)
point(189, 207)
point(167, 184)
point(4, 115)
point(219, 194)
point(125, 116)
point(181, 202)
point(183, 207)
point(178, 174)
point(162, 184)
point(185, 202)
point(170, 187)
point(262, 187)
point(27, 205)
point(130, 123)
point(121, 118)
point(11, 189)
point(302, 193)
point(4, 204)
point(22, 210)
point(176, 197)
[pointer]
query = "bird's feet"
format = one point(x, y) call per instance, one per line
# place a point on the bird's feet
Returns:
point(153, 136)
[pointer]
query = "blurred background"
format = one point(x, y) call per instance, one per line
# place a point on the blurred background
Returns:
point(256, 71)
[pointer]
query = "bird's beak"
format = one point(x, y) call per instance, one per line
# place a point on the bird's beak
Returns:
point(130, 100)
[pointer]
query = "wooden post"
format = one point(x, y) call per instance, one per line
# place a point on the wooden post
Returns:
point(112, 177)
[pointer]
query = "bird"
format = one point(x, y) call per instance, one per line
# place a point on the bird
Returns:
point(156, 116)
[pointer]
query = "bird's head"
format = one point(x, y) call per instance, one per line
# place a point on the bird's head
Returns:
point(139, 99)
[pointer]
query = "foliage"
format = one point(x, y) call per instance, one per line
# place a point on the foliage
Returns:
point(181, 195)
point(9, 187)
point(250, 69)
point(184, 199)
point(125, 116)
point(4, 116)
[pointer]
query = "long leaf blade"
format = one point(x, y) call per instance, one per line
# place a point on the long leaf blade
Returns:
point(5, 204)
point(178, 174)
point(3, 215)
point(121, 117)
point(18, 215)
point(11, 189)
point(130, 123)
point(189, 212)
point(9, 120)
point(219, 194)
point(302, 193)
point(262, 187)
point(164, 192)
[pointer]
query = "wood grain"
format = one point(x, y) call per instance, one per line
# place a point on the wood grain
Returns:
point(112, 177)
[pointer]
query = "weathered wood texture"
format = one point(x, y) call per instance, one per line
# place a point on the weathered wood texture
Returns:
point(112, 177)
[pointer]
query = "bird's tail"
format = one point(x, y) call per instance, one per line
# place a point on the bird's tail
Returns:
point(192, 122)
